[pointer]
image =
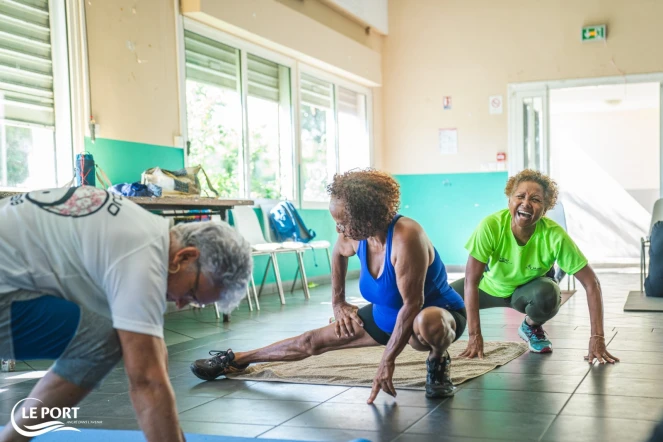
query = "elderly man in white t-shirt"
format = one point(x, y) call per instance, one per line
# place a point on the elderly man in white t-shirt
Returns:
point(84, 279)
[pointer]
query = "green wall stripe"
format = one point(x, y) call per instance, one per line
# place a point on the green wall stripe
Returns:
point(125, 161)
point(450, 206)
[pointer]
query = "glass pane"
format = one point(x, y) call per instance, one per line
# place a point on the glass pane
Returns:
point(270, 141)
point(353, 143)
point(532, 127)
point(214, 120)
point(27, 157)
point(318, 156)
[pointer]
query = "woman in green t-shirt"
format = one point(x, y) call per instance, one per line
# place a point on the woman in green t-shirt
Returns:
point(512, 253)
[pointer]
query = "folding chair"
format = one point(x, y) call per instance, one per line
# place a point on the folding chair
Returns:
point(246, 222)
point(267, 206)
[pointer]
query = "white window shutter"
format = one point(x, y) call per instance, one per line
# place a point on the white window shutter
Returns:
point(348, 101)
point(26, 68)
point(317, 93)
point(263, 78)
point(211, 62)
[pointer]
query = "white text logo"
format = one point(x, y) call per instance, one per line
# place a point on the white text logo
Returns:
point(44, 413)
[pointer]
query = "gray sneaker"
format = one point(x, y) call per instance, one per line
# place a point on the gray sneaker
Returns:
point(438, 380)
point(220, 364)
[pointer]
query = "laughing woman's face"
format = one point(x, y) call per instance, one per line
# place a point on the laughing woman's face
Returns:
point(527, 204)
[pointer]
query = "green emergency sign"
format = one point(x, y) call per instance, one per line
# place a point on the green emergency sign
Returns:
point(590, 33)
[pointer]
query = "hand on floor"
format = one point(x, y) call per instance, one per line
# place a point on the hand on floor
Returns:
point(383, 381)
point(597, 351)
point(474, 347)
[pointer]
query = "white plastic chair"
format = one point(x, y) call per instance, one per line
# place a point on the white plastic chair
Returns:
point(246, 222)
point(266, 206)
point(558, 215)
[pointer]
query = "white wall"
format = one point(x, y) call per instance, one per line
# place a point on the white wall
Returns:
point(472, 49)
point(133, 69)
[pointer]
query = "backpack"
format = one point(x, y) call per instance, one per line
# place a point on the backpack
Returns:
point(287, 225)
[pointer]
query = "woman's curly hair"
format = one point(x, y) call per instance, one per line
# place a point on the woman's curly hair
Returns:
point(549, 186)
point(371, 198)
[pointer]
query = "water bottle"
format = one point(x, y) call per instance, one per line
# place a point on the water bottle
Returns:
point(85, 169)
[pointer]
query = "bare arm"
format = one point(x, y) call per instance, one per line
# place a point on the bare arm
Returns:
point(473, 272)
point(152, 396)
point(344, 313)
point(597, 348)
point(342, 251)
point(411, 250)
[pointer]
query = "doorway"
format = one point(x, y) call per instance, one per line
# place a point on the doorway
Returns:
point(600, 139)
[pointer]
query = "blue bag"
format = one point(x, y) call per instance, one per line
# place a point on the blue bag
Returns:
point(287, 225)
point(135, 189)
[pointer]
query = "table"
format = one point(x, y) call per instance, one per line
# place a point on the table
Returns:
point(168, 203)
point(178, 204)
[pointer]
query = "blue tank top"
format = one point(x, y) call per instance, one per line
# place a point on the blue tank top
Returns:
point(383, 291)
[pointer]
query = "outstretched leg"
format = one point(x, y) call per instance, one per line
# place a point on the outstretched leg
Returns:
point(300, 347)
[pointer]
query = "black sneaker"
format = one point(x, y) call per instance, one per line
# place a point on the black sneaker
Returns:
point(438, 380)
point(221, 363)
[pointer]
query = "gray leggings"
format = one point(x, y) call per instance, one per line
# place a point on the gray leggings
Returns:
point(539, 299)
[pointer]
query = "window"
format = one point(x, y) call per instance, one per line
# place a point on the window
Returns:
point(30, 82)
point(240, 125)
point(214, 111)
point(318, 145)
point(353, 143)
point(334, 134)
point(270, 142)
point(239, 119)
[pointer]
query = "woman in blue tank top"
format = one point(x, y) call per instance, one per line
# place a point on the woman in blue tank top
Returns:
point(403, 278)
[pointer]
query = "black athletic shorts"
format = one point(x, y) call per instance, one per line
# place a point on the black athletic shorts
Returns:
point(382, 337)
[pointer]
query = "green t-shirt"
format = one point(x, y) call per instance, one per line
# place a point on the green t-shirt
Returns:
point(511, 265)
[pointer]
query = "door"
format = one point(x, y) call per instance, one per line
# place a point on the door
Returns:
point(528, 129)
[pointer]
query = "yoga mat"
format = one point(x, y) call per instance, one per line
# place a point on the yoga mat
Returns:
point(357, 366)
point(638, 302)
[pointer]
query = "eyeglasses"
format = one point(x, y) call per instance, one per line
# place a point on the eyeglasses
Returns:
point(192, 294)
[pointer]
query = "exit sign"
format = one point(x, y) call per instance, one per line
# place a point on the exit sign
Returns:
point(590, 33)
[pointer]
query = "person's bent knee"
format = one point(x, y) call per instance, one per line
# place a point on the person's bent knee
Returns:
point(545, 300)
point(432, 324)
point(93, 352)
point(548, 295)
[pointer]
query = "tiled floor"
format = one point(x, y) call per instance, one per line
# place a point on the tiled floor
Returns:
point(556, 397)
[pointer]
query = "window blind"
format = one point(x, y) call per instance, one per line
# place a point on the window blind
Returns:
point(263, 78)
point(26, 66)
point(349, 102)
point(317, 93)
point(210, 62)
